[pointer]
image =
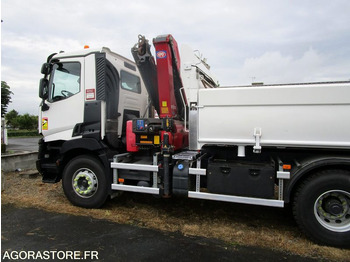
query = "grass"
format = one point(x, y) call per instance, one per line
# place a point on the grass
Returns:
point(233, 223)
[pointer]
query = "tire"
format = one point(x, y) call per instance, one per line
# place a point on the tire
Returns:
point(84, 182)
point(322, 208)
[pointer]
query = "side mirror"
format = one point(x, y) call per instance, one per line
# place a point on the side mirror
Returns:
point(44, 88)
point(46, 68)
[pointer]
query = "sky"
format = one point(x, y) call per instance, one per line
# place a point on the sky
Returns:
point(244, 41)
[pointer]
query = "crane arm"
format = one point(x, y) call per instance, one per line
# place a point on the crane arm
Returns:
point(163, 80)
point(147, 67)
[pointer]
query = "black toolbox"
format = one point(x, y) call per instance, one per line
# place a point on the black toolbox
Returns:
point(241, 179)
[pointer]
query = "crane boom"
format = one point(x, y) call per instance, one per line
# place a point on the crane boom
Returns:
point(147, 68)
point(162, 80)
point(169, 79)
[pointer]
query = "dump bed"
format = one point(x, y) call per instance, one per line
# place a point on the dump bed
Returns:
point(296, 115)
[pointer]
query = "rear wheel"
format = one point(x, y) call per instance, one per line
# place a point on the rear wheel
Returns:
point(322, 207)
point(84, 182)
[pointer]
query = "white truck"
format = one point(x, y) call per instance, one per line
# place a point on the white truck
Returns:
point(270, 145)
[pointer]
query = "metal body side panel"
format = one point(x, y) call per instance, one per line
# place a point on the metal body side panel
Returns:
point(310, 115)
point(193, 129)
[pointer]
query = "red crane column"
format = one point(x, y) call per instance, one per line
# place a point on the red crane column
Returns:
point(168, 71)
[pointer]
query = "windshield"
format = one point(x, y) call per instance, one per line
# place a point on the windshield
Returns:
point(65, 79)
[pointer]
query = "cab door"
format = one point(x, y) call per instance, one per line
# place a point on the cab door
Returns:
point(66, 100)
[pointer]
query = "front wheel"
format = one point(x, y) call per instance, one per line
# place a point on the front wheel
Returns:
point(84, 182)
point(322, 207)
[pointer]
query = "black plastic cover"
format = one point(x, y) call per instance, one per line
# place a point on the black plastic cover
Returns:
point(181, 182)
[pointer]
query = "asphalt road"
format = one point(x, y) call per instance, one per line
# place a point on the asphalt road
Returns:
point(23, 144)
point(34, 230)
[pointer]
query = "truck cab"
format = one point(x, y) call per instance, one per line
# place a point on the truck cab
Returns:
point(87, 97)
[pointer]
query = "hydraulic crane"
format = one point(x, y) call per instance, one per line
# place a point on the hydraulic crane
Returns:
point(163, 82)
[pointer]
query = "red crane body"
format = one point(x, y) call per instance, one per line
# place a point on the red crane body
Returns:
point(166, 95)
point(168, 64)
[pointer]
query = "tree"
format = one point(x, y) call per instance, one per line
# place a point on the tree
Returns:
point(12, 118)
point(5, 97)
point(27, 121)
point(23, 122)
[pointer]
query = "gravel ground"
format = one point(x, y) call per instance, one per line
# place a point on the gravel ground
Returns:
point(236, 225)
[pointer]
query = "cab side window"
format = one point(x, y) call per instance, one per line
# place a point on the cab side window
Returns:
point(130, 82)
point(65, 81)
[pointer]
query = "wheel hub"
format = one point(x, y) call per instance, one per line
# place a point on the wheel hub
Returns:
point(334, 207)
point(332, 210)
point(84, 183)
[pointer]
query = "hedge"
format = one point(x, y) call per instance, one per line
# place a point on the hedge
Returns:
point(16, 133)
